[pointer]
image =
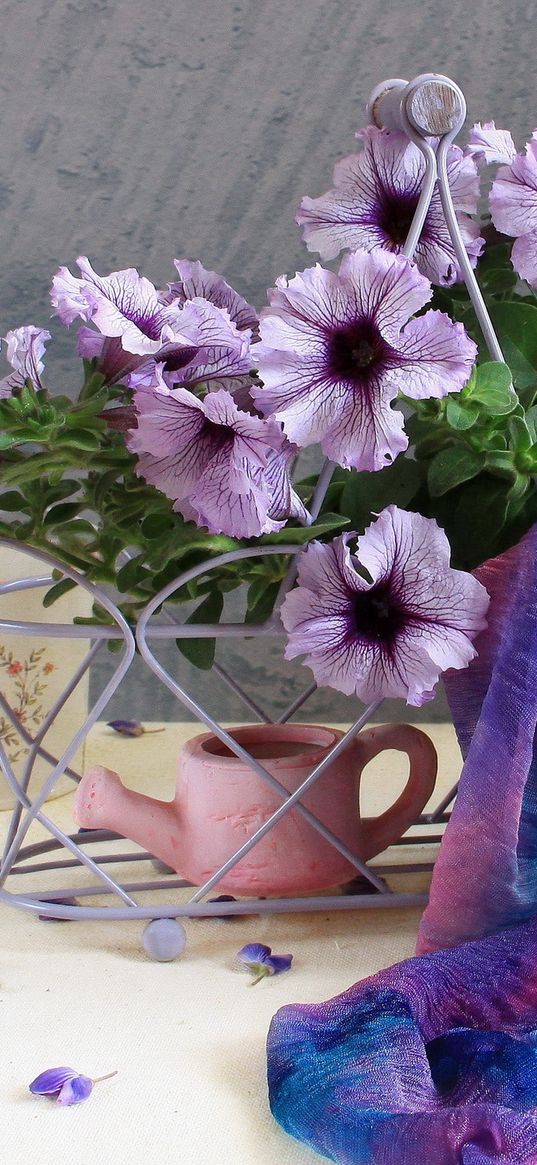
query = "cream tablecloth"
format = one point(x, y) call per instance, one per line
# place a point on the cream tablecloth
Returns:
point(187, 1037)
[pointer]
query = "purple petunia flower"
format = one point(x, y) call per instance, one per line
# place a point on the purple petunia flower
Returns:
point(513, 206)
point(211, 348)
point(335, 353)
point(123, 304)
point(195, 281)
point(386, 620)
point(113, 362)
point(146, 337)
point(65, 1085)
point(374, 198)
point(25, 351)
point(209, 458)
point(487, 144)
point(259, 960)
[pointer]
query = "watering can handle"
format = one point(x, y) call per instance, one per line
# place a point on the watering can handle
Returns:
point(380, 832)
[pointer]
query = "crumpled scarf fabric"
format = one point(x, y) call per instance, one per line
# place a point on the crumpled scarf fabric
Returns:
point(434, 1060)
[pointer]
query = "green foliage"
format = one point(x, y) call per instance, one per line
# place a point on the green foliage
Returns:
point(201, 652)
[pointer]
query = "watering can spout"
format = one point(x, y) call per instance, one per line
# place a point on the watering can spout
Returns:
point(102, 801)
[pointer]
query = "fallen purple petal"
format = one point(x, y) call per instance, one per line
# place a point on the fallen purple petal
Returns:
point(259, 960)
point(75, 1090)
point(65, 1085)
point(131, 728)
point(126, 727)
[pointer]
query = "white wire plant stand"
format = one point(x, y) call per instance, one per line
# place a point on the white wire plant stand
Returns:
point(431, 111)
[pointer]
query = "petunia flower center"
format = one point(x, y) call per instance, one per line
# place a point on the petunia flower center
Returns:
point(356, 350)
point(376, 616)
point(395, 217)
point(173, 357)
point(218, 433)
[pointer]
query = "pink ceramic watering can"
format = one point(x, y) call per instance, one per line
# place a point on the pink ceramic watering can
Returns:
point(220, 802)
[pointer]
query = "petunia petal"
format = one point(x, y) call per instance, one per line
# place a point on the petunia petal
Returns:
point(524, 257)
point(50, 1081)
point(75, 1090)
point(25, 351)
point(487, 144)
point(196, 282)
point(513, 197)
point(434, 356)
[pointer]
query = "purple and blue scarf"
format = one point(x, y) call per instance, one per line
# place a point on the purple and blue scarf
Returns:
point(434, 1061)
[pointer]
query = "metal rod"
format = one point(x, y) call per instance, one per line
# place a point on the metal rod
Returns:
point(239, 691)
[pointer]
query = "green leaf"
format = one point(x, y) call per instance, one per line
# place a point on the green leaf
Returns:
point(201, 652)
point(492, 388)
point(521, 437)
point(461, 414)
point(154, 525)
point(369, 493)
point(452, 466)
point(515, 323)
point(261, 598)
point(78, 526)
point(55, 592)
point(7, 440)
point(131, 574)
point(13, 502)
point(61, 513)
point(531, 421)
point(299, 535)
point(80, 439)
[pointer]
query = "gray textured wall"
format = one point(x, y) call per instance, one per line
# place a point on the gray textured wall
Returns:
point(137, 132)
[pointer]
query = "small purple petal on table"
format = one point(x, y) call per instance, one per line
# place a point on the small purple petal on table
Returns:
point(75, 1090)
point(280, 963)
point(258, 958)
point(126, 727)
point(65, 1085)
point(51, 1081)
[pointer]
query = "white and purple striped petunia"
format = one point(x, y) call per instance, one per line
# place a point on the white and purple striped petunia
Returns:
point(146, 338)
point(486, 144)
point(25, 348)
point(195, 282)
point(211, 349)
point(386, 620)
point(513, 206)
point(373, 200)
point(336, 349)
point(212, 460)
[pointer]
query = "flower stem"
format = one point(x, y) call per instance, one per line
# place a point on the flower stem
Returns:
point(97, 1079)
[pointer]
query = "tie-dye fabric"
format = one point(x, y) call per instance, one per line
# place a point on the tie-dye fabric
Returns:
point(434, 1061)
point(485, 876)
